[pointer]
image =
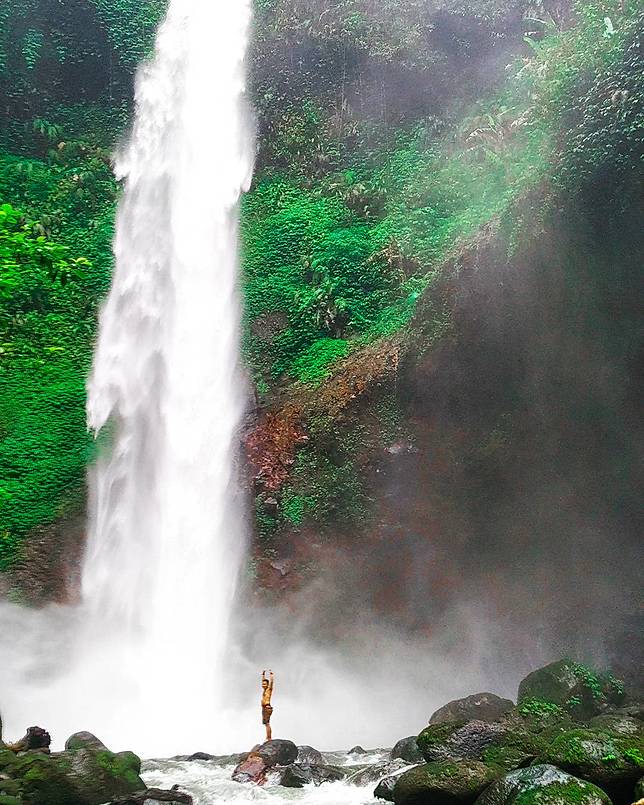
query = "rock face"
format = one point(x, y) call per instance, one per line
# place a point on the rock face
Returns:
point(578, 689)
point(443, 783)
point(278, 752)
point(543, 784)
point(609, 761)
point(478, 707)
point(307, 755)
point(407, 749)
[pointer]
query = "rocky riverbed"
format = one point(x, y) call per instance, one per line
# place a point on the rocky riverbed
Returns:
point(575, 737)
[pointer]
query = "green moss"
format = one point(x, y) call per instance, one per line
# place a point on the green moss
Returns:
point(539, 708)
point(436, 735)
point(574, 791)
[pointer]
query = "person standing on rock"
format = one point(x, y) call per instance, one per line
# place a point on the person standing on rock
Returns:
point(267, 709)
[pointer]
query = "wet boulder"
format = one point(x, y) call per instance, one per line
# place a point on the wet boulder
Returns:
point(84, 740)
point(327, 774)
point(613, 763)
point(295, 776)
point(84, 777)
point(443, 783)
point(307, 755)
point(458, 741)
point(542, 785)
point(575, 687)
point(433, 740)
point(251, 770)
point(373, 774)
point(478, 707)
point(407, 749)
point(357, 750)
point(101, 775)
point(385, 788)
point(39, 779)
point(278, 752)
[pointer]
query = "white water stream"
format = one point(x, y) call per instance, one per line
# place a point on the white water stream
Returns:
point(166, 541)
point(141, 658)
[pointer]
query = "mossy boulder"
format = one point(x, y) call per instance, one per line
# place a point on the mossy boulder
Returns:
point(99, 772)
point(433, 741)
point(83, 777)
point(407, 749)
point(45, 780)
point(83, 740)
point(612, 762)
point(478, 707)
point(443, 783)
point(510, 743)
point(542, 785)
point(579, 690)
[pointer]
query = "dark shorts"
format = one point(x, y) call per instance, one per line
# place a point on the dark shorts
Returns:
point(267, 712)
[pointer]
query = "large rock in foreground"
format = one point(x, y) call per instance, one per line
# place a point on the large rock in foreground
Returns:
point(308, 756)
point(542, 785)
point(278, 752)
point(580, 690)
point(83, 777)
point(443, 783)
point(611, 762)
point(479, 707)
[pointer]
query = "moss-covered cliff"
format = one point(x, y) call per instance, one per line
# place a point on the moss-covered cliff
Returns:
point(440, 283)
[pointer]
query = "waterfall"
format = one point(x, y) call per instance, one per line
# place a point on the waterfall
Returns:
point(165, 542)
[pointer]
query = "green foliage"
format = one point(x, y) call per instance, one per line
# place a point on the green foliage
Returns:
point(315, 364)
point(539, 708)
point(308, 259)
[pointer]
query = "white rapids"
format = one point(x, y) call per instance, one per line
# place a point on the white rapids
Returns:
point(210, 784)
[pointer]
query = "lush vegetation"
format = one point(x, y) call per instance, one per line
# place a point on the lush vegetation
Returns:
point(389, 135)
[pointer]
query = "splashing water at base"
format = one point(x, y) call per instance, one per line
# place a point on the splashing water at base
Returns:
point(210, 784)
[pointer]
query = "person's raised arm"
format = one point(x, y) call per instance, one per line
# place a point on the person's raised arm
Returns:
point(272, 681)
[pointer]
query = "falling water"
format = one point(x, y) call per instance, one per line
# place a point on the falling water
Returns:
point(165, 543)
